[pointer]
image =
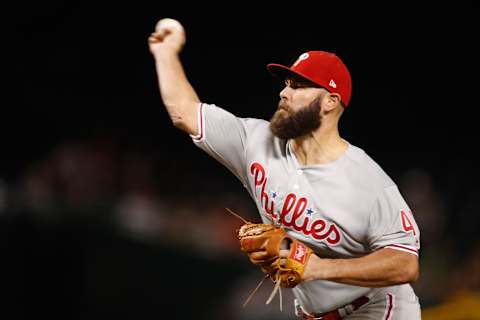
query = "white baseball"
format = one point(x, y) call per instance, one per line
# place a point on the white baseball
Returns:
point(168, 23)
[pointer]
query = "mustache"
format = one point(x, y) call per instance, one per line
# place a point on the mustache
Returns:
point(282, 105)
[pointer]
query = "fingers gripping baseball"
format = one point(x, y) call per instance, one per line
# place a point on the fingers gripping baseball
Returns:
point(169, 34)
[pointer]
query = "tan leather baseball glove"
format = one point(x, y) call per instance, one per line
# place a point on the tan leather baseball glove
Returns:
point(263, 242)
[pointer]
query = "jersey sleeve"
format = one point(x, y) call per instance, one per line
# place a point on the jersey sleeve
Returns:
point(392, 224)
point(224, 137)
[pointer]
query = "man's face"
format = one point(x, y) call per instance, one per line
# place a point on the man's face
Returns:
point(298, 111)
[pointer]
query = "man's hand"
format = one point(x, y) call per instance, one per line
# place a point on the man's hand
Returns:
point(169, 35)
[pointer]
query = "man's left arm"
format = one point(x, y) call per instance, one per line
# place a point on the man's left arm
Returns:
point(394, 240)
point(381, 268)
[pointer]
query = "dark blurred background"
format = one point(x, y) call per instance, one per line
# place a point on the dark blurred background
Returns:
point(107, 210)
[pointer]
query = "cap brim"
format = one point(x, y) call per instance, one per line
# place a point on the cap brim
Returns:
point(283, 72)
point(280, 70)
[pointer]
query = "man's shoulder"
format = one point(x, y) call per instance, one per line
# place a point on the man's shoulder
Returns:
point(251, 123)
point(257, 124)
point(366, 167)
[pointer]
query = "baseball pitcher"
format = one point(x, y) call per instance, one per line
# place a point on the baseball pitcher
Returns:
point(335, 227)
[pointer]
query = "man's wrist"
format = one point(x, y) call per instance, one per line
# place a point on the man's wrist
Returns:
point(166, 53)
point(315, 269)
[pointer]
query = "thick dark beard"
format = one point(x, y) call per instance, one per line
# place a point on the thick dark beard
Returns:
point(287, 124)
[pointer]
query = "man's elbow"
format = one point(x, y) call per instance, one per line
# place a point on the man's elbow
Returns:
point(410, 272)
point(182, 125)
point(178, 121)
point(413, 274)
point(184, 116)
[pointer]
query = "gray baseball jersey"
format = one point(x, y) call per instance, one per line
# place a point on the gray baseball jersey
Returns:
point(343, 209)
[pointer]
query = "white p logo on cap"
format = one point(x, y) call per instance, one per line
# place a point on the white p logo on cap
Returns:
point(303, 56)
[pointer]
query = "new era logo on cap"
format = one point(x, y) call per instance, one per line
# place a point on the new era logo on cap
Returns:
point(322, 68)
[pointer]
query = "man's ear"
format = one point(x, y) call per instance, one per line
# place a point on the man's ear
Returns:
point(333, 101)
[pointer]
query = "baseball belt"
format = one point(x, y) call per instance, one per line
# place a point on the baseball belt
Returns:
point(337, 314)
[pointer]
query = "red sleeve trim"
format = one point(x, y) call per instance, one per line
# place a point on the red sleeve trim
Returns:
point(403, 248)
point(201, 130)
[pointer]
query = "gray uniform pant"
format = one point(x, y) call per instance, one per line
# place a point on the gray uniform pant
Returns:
point(393, 303)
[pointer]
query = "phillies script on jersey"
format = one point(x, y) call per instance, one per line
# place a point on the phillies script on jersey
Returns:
point(291, 214)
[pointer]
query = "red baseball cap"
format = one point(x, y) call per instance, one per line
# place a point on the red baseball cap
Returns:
point(322, 68)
